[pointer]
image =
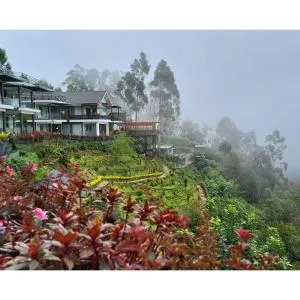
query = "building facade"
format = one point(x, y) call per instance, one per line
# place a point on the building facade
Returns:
point(78, 113)
point(26, 106)
point(17, 108)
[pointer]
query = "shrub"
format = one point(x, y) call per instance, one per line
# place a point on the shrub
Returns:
point(98, 179)
point(44, 226)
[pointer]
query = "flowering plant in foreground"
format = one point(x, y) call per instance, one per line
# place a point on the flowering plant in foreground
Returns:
point(48, 228)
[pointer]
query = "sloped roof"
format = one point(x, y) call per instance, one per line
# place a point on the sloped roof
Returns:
point(28, 86)
point(83, 97)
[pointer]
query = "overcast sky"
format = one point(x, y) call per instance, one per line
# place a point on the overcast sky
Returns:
point(251, 76)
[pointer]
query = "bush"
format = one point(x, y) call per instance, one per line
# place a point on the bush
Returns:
point(44, 226)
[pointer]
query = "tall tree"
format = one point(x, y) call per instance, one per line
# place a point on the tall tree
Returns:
point(192, 131)
point(131, 87)
point(276, 146)
point(164, 91)
point(82, 79)
point(76, 80)
point(92, 79)
point(4, 64)
point(226, 130)
point(46, 84)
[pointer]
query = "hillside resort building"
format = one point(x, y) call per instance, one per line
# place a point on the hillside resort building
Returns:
point(27, 106)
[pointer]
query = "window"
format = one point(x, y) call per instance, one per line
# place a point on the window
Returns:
point(103, 111)
point(89, 127)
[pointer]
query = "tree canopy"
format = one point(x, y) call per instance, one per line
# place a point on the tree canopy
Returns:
point(4, 63)
point(164, 91)
point(191, 130)
point(131, 87)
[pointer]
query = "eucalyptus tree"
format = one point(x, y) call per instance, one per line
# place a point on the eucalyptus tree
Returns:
point(131, 87)
point(165, 93)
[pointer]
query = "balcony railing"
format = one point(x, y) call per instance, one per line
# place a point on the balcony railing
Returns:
point(27, 105)
point(22, 76)
point(49, 96)
point(51, 117)
point(44, 96)
point(114, 116)
point(89, 117)
point(15, 103)
point(141, 133)
point(11, 101)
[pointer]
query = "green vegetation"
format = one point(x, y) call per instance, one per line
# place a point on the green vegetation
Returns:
point(273, 219)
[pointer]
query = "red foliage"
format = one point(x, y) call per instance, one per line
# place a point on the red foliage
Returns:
point(244, 234)
point(74, 237)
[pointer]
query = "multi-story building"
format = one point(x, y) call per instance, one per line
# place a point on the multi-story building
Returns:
point(78, 113)
point(17, 108)
point(26, 106)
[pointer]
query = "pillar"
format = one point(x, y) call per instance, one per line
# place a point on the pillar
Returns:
point(97, 129)
point(20, 114)
point(4, 116)
point(2, 92)
point(82, 129)
point(2, 101)
point(107, 129)
point(33, 116)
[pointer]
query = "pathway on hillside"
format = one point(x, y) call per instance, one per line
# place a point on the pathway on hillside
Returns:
point(202, 196)
point(103, 184)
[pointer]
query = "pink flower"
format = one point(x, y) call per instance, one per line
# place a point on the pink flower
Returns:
point(246, 264)
point(40, 214)
point(9, 171)
point(17, 198)
point(55, 185)
point(33, 167)
point(2, 222)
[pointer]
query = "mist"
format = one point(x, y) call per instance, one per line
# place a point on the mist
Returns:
point(250, 76)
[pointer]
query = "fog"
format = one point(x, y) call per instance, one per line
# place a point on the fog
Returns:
point(251, 76)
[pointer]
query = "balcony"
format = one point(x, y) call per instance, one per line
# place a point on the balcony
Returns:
point(114, 116)
point(27, 105)
point(15, 103)
point(51, 117)
point(12, 102)
point(88, 117)
point(49, 96)
point(142, 133)
point(142, 129)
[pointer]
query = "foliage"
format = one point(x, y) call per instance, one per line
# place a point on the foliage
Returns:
point(225, 147)
point(4, 135)
point(192, 132)
point(122, 145)
point(276, 147)
point(177, 141)
point(4, 64)
point(45, 227)
point(165, 93)
point(75, 80)
point(80, 79)
point(131, 87)
point(46, 84)
point(98, 179)
point(19, 161)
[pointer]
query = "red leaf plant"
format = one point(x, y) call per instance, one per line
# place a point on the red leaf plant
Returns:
point(44, 226)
